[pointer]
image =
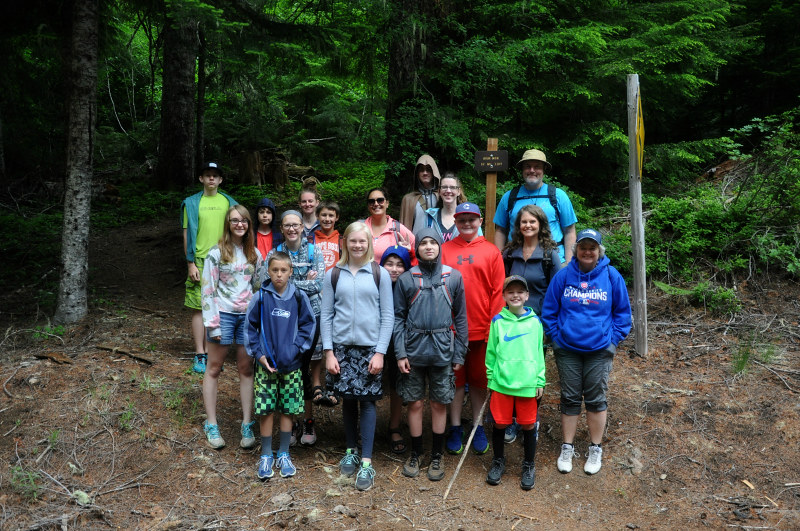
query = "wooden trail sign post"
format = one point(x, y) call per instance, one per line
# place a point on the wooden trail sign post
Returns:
point(635, 154)
point(490, 162)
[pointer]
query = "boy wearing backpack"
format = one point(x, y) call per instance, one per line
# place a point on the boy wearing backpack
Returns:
point(280, 327)
point(554, 201)
point(430, 339)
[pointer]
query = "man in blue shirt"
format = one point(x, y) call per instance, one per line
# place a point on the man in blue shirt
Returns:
point(562, 218)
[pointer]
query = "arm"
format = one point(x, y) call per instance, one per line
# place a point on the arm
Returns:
point(569, 240)
point(327, 313)
point(498, 276)
point(500, 236)
point(252, 332)
point(491, 351)
point(552, 305)
point(501, 222)
point(386, 308)
point(306, 325)
point(194, 273)
point(539, 356)
point(459, 321)
point(620, 308)
point(208, 291)
point(420, 218)
point(400, 315)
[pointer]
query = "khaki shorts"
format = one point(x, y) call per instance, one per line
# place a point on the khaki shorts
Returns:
point(441, 384)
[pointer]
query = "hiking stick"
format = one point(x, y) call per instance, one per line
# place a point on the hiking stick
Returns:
point(466, 447)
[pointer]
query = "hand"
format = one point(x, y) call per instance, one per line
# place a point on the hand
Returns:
point(263, 361)
point(376, 363)
point(194, 273)
point(539, 392)
point(404, 366)
point(402, 241)
point(331, 363)
point(311, 275)
point(457, 366)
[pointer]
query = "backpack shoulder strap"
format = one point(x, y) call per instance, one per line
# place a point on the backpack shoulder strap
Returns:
point(446, 271)
point(335, 272)
point(551, 195)
point(376, 274)
point(512, 200)
point(507, 261)
point(547, 266)
point(416, 275)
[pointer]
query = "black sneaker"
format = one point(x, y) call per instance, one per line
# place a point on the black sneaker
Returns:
point(496, 470)
point(411, 466)
point(528, 475)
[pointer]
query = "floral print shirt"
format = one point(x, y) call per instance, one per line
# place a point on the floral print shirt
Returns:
point(227, 287)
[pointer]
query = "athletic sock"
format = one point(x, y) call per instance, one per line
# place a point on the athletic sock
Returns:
point(266, 445)
point(498, 441)
point(286, 438)
point(416, 445)
point(437, 444)
point(529, 444)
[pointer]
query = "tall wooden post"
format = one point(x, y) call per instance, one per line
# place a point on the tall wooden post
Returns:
point(635, 153)
point(491, 196)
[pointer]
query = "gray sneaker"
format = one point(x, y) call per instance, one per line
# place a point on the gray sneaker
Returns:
point(436, 469)
point(248, 438)
point(213, 437)
point(349, 463)
point(365, 479)
point(411, 466)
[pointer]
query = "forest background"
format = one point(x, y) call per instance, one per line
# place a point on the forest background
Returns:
point(355, 91)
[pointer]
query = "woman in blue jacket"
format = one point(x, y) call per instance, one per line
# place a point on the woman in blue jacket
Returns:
point(586, 313)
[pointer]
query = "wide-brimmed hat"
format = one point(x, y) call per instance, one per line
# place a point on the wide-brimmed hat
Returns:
point(534, 154)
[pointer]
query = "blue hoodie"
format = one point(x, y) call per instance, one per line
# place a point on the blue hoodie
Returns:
point(587, 312)
point(288, 329)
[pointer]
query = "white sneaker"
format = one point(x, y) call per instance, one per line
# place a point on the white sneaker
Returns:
point(565, 459)
point(594, 460)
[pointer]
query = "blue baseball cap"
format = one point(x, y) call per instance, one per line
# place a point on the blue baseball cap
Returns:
point(589, 234)
point(467, 208)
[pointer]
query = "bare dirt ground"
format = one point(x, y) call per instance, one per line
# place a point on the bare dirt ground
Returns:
point(100, 427)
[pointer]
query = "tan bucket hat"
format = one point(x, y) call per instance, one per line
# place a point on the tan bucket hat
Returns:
point(534, 154)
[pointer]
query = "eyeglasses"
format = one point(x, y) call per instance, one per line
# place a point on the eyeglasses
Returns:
point(379, 200)
point(292, 226)
point(239, 222)
point(449, 188)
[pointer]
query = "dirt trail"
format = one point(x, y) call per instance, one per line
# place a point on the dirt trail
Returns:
point(688, 446)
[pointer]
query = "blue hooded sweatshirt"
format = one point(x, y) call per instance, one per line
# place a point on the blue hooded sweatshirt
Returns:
point(288, 326)
point(587, 312)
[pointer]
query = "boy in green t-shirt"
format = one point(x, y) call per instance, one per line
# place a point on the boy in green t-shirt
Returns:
point(202, 220)
point(515, 371)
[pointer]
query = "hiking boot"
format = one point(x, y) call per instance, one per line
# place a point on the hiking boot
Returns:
point(512, 431)
point(199, 363)
point(455, 440)
point(309, 436)
point(436, 469)
point(366, 477)
point(411, 467)
point(528, 475)
point(349, 463)
point(480, 444)
point(565, 459)
point(496, 471)
point(594, 460)
point(285, 465)
point(215, 440)
point(248, 439)
point(265, 467)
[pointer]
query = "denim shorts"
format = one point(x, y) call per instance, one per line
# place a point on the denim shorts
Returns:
point(232, 327)
point(584, 378)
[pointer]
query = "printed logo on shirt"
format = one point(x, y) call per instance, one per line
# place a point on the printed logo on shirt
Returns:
point(584, 295)
point(506, 337)
point(277, 312)
point(462, 260)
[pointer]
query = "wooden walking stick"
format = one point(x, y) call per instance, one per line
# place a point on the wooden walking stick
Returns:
point(466, 447)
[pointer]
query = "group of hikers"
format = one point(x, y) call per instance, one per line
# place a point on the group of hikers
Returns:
point(422, 307)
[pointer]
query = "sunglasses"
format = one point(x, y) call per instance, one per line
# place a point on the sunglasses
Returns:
point(379, 200)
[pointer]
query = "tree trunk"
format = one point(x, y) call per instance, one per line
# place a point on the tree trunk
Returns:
point(200, 141)
point(176, 142)
point(72, 306)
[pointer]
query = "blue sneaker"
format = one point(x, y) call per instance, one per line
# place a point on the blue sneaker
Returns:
point(349, 463)
point(366, 477)
point(455, 440)
point(265, 467)
point(213, 437)
point(480, 444)
point(199, 363)
point(512, 431)
point(285, 464)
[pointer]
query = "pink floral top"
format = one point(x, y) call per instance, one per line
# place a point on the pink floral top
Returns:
point(227, 287)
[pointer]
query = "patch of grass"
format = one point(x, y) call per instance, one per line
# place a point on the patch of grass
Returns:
point(52, 439)
point(148, 385)
point(126, 417)
point(741, 358)
point(25, 483)
point(48, 331)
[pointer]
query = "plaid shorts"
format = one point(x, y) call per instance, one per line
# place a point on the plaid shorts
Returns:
point(278, 392)
point(193, 298)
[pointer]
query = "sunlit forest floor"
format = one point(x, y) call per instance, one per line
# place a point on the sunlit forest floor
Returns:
point(100, 426)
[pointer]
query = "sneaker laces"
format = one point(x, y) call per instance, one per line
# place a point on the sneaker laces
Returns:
point(212, 430)
point(568, 453)
point(366, 471)
point(593, 455)
point(308, 427)
point(349, 459)
point(247, 429)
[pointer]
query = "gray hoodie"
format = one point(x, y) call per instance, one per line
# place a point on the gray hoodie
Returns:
point(429, 331)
